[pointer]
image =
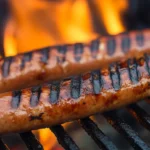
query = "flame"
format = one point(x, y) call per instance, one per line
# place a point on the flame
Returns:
point(9, 40)
point(111, 14)
point(43, 23)
point(47, 138)
point(35, 24)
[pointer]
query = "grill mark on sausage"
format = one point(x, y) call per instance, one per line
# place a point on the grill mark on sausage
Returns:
point(86, 82)
point(94, 48)
point(114, 74)
point(38, 117)
point(78, 51)
point(147, 59)
point(111, 46)
point(26, 58)
point(132, 65)
point(45, 54)
point(110, 43)
point(54, 94)
point(35, 96)
point(118, 75)
point(124, 74)
point(75, 86)
point(140, 38)
point(106, 80)
point(142, 68)
point(96, 80)
point(68, 109)
point(125, 43)
point(16, 96)
point(6, 66)
point(61, 50)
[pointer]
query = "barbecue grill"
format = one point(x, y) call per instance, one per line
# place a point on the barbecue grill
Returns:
point(114, 118)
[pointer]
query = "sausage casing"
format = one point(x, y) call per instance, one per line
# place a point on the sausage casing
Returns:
point(59, 62)
point(121, 84)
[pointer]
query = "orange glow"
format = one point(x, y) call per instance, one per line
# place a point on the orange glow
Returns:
point(9, 40)
point(111, 14)
point(43, 23)
point(47, 138)
point(79, 28)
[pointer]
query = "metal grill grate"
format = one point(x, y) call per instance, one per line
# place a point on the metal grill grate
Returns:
point(102, 140)
point(31, 142)
point(3, 146)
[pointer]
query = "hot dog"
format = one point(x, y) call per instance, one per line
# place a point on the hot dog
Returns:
point(97, 91)
point(59, 62)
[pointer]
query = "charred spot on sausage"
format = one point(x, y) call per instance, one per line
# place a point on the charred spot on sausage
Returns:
point(26, 58)
point(96, 80)
point(16, 96)
point(125, 43)
point(36, 91)
point(78, 51)
point(111, 46)
point(61, 50)
point(6, 66)
point(54, 92)
point(75, 86)
point(132, 65)
point(114, 74)
point(45, 54)
point(140, 38)
point(147, 59)
point(94, 48)
point(39, 117)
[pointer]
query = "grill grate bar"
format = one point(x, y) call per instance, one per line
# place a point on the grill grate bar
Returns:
point(141, 115)
point(3, 146)
point(31, 142)
point(123, 128)
point(98, 136)
point(63, 138)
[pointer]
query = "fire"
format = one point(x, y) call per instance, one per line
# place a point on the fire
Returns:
point(43, 23)
point(35, 24)
point(47, 139)
point(9, 41)
point(111, 14)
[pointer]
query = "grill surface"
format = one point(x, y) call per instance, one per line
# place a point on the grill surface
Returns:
point(102, 140)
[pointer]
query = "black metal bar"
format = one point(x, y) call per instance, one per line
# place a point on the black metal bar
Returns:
point(141, 115)
point(63, 138)
point(123, 128)
point(3, 146)
point(30, 140)
point(98, 136)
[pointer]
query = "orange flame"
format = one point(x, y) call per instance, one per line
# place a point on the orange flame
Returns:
point(47, 138)
point(36, 24)
point(111, 14)
point(43, 23)
point(9, 40)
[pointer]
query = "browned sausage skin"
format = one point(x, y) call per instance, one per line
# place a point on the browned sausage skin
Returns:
point(78, 97)
point(58, 62)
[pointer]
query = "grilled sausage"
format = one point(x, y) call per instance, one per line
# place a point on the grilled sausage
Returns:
point(58, 62)
point(78, 97)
